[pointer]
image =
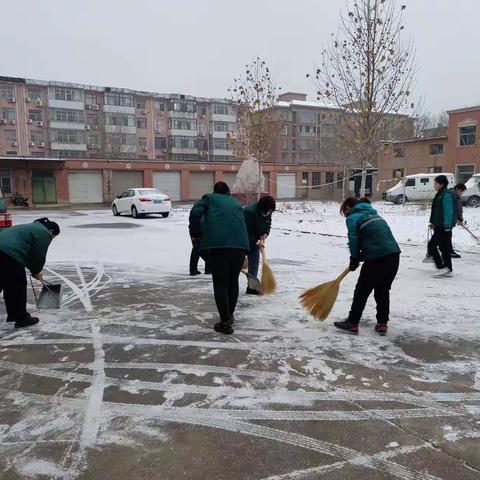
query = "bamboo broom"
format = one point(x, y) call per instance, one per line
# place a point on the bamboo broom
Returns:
point(319, 301)
point(267, 281)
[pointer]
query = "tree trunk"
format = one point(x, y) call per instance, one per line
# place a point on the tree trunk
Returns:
point(363, 184)
point(260, 186)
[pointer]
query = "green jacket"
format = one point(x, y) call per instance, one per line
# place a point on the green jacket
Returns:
point(27, 244)
point(369, 236)
point(444, 209)
point(257, 224)
point(218, 221)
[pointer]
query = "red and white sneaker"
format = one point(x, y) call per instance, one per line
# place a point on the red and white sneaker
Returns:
point(347, 326)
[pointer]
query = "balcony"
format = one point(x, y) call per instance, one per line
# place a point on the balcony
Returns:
point(223, 153)
point(118, 109)
point(182, 133)
point(217, 117)
point(68, 146)
point(65, 104)
point(66, 125)
point(184, 151)
point(219, 134)
point(120, 129)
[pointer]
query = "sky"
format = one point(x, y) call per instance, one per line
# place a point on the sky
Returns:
point(197, 47)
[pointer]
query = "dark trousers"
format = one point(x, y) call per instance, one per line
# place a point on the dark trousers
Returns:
point(225, 264)
point(254, 261)
point(13, 283)
point(450, 241)
point(195, 257)
point(441, 240)
point(377, 275)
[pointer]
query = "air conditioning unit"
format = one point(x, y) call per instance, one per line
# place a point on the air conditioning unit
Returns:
point(38, 103)
point(91, 146)
point(41, 144)
point(31, 144)
point(201, 134)
point(87, 127)
point(14, 144)
point(88, 106)
point(145, 149)
point(3, 122)
point(143, 112)
point(94, 127)
point(157, 130)
point(11, 100)
point(39, 123)
point(27, 99)
point(95, 107)
point(29, 121)
point(12, 122)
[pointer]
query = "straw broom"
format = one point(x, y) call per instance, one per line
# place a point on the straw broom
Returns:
point(267, 281)
point(319, 301)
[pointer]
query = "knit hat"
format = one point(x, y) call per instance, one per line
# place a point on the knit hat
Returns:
point(49, 225)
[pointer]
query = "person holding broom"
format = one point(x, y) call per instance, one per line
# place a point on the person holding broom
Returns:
point(223, 243)
point(370, 240)
point(23, 246)
point(258, 219)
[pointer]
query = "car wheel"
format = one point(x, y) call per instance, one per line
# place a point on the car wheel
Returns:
point(135, 212)
point(474, 201)
point(401, 200)
point(165, 215)
point(115, 211)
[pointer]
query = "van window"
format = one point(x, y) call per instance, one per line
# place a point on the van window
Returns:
point(410, 182)
point(424, 181)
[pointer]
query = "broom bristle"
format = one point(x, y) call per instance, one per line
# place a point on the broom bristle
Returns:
point(267, 282)
point(319, 301)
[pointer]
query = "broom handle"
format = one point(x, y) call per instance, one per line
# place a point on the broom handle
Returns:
point(470, 232)
point(343, 275)
point(262, 252)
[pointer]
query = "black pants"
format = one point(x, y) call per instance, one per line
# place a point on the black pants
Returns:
point(13, 283)
point(225, 265)
point(441, 240)
point(377, 275)
point(450, 241)
point(195, 257)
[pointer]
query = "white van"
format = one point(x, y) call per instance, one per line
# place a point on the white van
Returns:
point(471, 196)
point(416, 187)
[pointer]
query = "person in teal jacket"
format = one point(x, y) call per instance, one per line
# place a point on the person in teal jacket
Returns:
point(370, 240)
point(23, 246)
point(218, 224)
point(443, 218)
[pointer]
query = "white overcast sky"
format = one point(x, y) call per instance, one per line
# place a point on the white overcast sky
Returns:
point(197, 47)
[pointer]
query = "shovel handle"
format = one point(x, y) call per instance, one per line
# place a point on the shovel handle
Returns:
point(34, 292)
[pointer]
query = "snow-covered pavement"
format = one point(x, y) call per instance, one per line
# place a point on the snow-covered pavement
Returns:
point(128, 380)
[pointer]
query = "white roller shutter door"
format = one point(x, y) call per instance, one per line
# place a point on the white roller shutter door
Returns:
point(229, 178)
point(85, 187)
point(200, 184)
point(169, 183)
point(122, 181)
point(286, 185)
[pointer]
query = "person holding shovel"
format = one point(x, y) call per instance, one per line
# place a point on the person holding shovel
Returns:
point(370, 240)
point(23, 246)
point(258, 218)
point(217, 222)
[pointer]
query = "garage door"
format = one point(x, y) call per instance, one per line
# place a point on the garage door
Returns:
point(200, 184)
point(168, 183)
point(286, 185)
point(85, 187)
point(122, 181)
point(229, 178)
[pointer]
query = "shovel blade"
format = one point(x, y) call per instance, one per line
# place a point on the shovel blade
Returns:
point(50, 296)
point(253, 282)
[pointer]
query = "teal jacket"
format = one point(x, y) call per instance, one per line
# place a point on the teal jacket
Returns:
point(27, 244)
point(257, 224)
point(219, 222)
point(369, 236)
point(444, 209)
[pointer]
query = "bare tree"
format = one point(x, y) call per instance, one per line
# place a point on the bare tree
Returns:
point(367, 71)
point(257, 126)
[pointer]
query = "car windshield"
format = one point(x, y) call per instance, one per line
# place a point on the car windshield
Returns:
point(472, 181)
point(150, 191)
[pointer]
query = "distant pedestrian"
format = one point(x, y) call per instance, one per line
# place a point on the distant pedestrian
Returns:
point(23, 246)
point(458, 192)
point(258, 218)
point(217, 222)
point(443, 218)
point(370, 240)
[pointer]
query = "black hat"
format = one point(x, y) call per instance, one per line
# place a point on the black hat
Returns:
point(49, 225)
point(267, 204)
point(442, 180)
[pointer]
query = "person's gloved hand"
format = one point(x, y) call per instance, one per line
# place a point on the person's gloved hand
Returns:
point(354, 263)
point(195, 241)
point(38, 276)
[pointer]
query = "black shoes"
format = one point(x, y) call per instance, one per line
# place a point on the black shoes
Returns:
point(347, 326)
point(28, 321)
point(192, 274)
point(225, 328)
point(455, 255)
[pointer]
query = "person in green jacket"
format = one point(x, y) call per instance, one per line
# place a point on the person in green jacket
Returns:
point(443, 218)
point(23, 246)
point(370, 240)
point(258, 218)
point(218, 223)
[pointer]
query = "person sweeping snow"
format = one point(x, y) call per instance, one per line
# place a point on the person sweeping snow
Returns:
point(23, 246)
point(258, 219)
point(371, 240)
point(224, 243)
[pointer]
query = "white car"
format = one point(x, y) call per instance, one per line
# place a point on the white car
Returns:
point(138, 202)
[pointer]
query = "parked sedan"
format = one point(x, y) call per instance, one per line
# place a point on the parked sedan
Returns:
point(138, 202)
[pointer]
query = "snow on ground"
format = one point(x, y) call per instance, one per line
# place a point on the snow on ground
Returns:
point(132, 350)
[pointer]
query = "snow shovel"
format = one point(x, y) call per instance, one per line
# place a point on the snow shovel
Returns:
point(50, 295)
point(471, 233)
point(428, 258)
point(319, 300)
point(253, 281)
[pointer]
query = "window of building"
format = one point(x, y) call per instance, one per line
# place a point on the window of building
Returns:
point(122, 139)
point(142, 142)
point(10, 136)
point(142, 157)
point(284, 129)
point(464, 172)
point(35, 115)
point(141, 123)
point(140, 103)
point(284, 156)
point(37, 136)
point(183, 142)
point(330, 177)
point(5, 181)
point(91, 119)
point(182, 124)
point(159, 105)
point(340, 178)
point(220, 144)
point(34, 94)
point(160, 125)
point(398, 173)
point(304, 178)
point(68, 154)
point(66, 94)
point(119, 99)
point(316, 179)
point(68, 136)
point(9, 114)
point(160, 143)
point(7, 91)
point(435, 170)
point(92, 139)
point(284, 143)
point(11, 152)
point(286, 115)
point(220, 109)
point(37, 154)
point(398, 152)
point(220, 127)
point(70, 116)
point(185, 157)
point(183, 106)
point(436, 148)
point(294, 144)
point(305, 117)
point(120, 119)
point(91, 98)
point(468, 135)
point(203, 144)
